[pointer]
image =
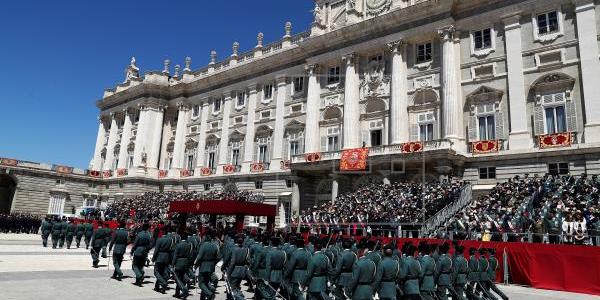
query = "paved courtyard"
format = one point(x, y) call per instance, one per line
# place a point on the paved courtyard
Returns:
point(29, 271)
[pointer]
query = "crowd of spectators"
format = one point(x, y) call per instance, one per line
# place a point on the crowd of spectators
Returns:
point(19, 223)
point(553, 209)
point(386, 203)
point(155, 205)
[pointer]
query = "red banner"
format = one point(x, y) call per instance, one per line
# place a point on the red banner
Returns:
point(206, 171)
point(257, 167)
point(186, 173)
point(412, 147)
point(93, 173)
point(8, 162)
point(563, 139)
point(107, 173)
point(228, 169)
point(121, 172)
point(285, 164)
point(312, 157)
point(63, 169)
point(354, 159)
point(482, 147)
point(162, 173)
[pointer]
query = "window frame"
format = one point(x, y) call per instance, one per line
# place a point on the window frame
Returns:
point(424, 44)
point(548, 36)
point(296, 81)
point(270, 88)
point(553, 105)
point(485, 175)
point(426, 123)
point(481, 52)
point(335, 76)
point(560, 168)
point(241, 95)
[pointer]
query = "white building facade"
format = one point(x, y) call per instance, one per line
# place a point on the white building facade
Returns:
point(485, 89)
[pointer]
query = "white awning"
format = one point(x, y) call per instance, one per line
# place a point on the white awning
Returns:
point(483, 187)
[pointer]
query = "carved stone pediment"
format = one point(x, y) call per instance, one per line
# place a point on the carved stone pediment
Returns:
point(191, 144)
point(553, 82)
point(484, 94)
point(375, 83)
point(377, 7)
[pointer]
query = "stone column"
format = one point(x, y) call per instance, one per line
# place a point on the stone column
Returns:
point(224, 144)
point(156, 134)
point(100, 138)
point(334, 189)
point(452, 117)
point(313, 106)
point(250, 128)
point(352, 136)
point(282, 92)
point(519, 137)
point(204, 108)
point(180, 132)
point(399, 99)
point(125, 137)
point(295, 198)
point(112, 141)
point(140, 140)
point(590, 67)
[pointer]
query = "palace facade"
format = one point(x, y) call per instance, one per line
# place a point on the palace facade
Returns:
point(474, 89)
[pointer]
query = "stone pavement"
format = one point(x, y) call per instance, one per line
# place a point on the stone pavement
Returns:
point(29, 271)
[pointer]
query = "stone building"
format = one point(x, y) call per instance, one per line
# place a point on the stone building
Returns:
point(475, 89)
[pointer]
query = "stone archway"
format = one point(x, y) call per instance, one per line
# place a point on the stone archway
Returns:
point(8, 185)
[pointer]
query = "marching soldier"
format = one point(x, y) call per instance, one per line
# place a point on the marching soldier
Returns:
point(275, 262)
point(258, 269)
point(139, 251)
point(79, 231)
point(238, 268)
point(483, 274)
point(56, 228)
point(444, 273)
point(473, 276)
point(89, 231)
point(206, 261)
point(97, 243)
point(107, 235)
point(492, 274)
point(296, 270)
point(119, 242)
point(428, 271)
point(161, 258)
point(343, 271)
point(181, 263)
point(388, 275)
point(70, 233)
point(319, 268)
point(363, 278)
point(461, 270)
point(46, 230)
point(63, 232)
point(413, 272)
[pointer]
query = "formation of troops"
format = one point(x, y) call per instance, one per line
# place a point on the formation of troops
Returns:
point(19, 223)
point(280, 266)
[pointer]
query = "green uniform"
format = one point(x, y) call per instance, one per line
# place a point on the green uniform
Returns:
point(343, 273)
point(413, 272)
point(107, 235)
point(388, 275)
point(363, 279)
point(275, 263)
point(319, 268)
point(118, 242)
point(63, 233)
point(473, 277)
point(492, 277)
point(79, 231)
point(259, 269)
point(460, 270)
point(97, 242)
point(71, 227)
point(162, 256)
point(295, 272)
point(427, 277)
point(181, 263)
point(443, 276)
point(206, 261)
point(46, 230)
point(139, 251)
point(56, 229)
point(238, 270)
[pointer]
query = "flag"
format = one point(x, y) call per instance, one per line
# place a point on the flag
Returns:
point(354, 159)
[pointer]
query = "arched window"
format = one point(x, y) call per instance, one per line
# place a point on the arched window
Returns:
point(211, 151)
point(263, 144)
point(235, 149)
point(486, 121)
point(293, 140)
point(554, 110)
point(332, 113)
point(423, 116)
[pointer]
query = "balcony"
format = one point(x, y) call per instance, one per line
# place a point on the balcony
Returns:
point(485, 147)
point(555, 140)
point(404, 148)
point(259, 167)
point(163, 173)
point(207, 171)
point(107, 174)
point(186, 173)
point(230, 169)
point(122, 172)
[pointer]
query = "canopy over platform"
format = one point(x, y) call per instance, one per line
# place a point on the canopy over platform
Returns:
point(223, 207)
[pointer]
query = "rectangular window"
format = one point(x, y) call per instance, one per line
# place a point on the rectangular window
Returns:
point(190, 162)
point(235, 157)
point(426, 132)
point(556, 121)
point(294, 149)
point(289, 183)
point(376, 139)
point(265, 114)
point(130, 161)
point(211, 160)
point(333, 143)
point(487, 128)
point(268, 91)
point(482, 39)
point(547, 23)
point(196, 111)
point(258, 184)
point(241, 99)
point(207, 186)
point(298, 84)
point(56, 204)
point(216, 105)
point(424, 52)
point(487, 173)
point(334, 75)
point(558, 168)
point(263, 156)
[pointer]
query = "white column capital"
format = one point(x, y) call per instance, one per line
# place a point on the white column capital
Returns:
point(447, 33)
point(350, 58)
point(512, 21)
point(583, 5)
point(313, 69)
point(252, 88)
point(396, 46)
point(281, 80)
point(182, 106)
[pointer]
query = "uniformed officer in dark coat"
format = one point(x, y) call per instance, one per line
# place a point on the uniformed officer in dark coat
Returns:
point(413, 272)
point(97, 242)
point(139, 251)
point(163, 251)
point(483, 275)
point(342, 276)
point(493, 267)
point(107, 237)
point(444, 273)
point(79, 231)
point(207, 257)
point(89, 231)
point(275, 263)
point(388, 275)
point(181, 263)
point(472, 289)
point(63, 232)
point(56, 229)
point(428, 268)
point(46, 230)
point(70, 233)
point(363, 278)
point(238, 268)
point(119, 242)
point(296, 270)
point(460, 271)
point(318, 270)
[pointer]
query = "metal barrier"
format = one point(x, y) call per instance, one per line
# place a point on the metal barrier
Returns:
point(589, 238)
point(449, 211)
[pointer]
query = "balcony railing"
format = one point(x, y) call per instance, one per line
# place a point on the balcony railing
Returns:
point(163, 173)
point(122, 172)
point(259, 166)
point(556, 140)
point(186, 173)
point(229, 169)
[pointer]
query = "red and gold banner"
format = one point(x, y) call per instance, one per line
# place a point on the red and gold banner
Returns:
point(93, 173)
point(563, 139)
point(482, 147)
point(206, 171)
point(412, 147)
point(163, 173)
point(354, 159)
point(8, 162)
point(228, 169)
point(257, 167)
point(285, 164)
point(312, 157)
point(63, 169)
point(107, 173)
point(121, 172)
point(186, 173)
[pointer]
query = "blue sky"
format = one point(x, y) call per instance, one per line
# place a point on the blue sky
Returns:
point(57, 57)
